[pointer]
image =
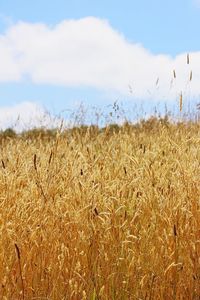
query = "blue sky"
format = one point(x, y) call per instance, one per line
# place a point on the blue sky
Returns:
point(168, 27)
point(48, 60)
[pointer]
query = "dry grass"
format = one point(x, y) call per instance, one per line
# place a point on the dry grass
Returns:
point(102, 215)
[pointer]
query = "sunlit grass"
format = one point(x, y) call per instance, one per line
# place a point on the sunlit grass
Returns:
point(109, 213)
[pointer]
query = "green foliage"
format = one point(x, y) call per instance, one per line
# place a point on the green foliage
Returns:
point(39, 133)
point(150, 125)
point(8, 133)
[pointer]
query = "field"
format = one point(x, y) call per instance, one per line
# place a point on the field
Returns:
point(107, 214)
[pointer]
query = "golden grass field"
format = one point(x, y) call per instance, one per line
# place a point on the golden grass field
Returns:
point(102, 214)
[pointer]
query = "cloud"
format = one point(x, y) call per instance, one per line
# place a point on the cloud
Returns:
point(26, 115)
point(89, 52)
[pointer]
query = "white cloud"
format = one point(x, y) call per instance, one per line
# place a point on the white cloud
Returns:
point(89, 52)
point(26, 115)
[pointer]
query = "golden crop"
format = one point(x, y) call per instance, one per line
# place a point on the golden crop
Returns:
point(101, 214)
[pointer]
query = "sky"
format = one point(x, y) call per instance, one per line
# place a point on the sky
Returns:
point(55, 55)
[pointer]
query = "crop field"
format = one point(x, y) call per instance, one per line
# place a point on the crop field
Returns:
point(110, 214)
